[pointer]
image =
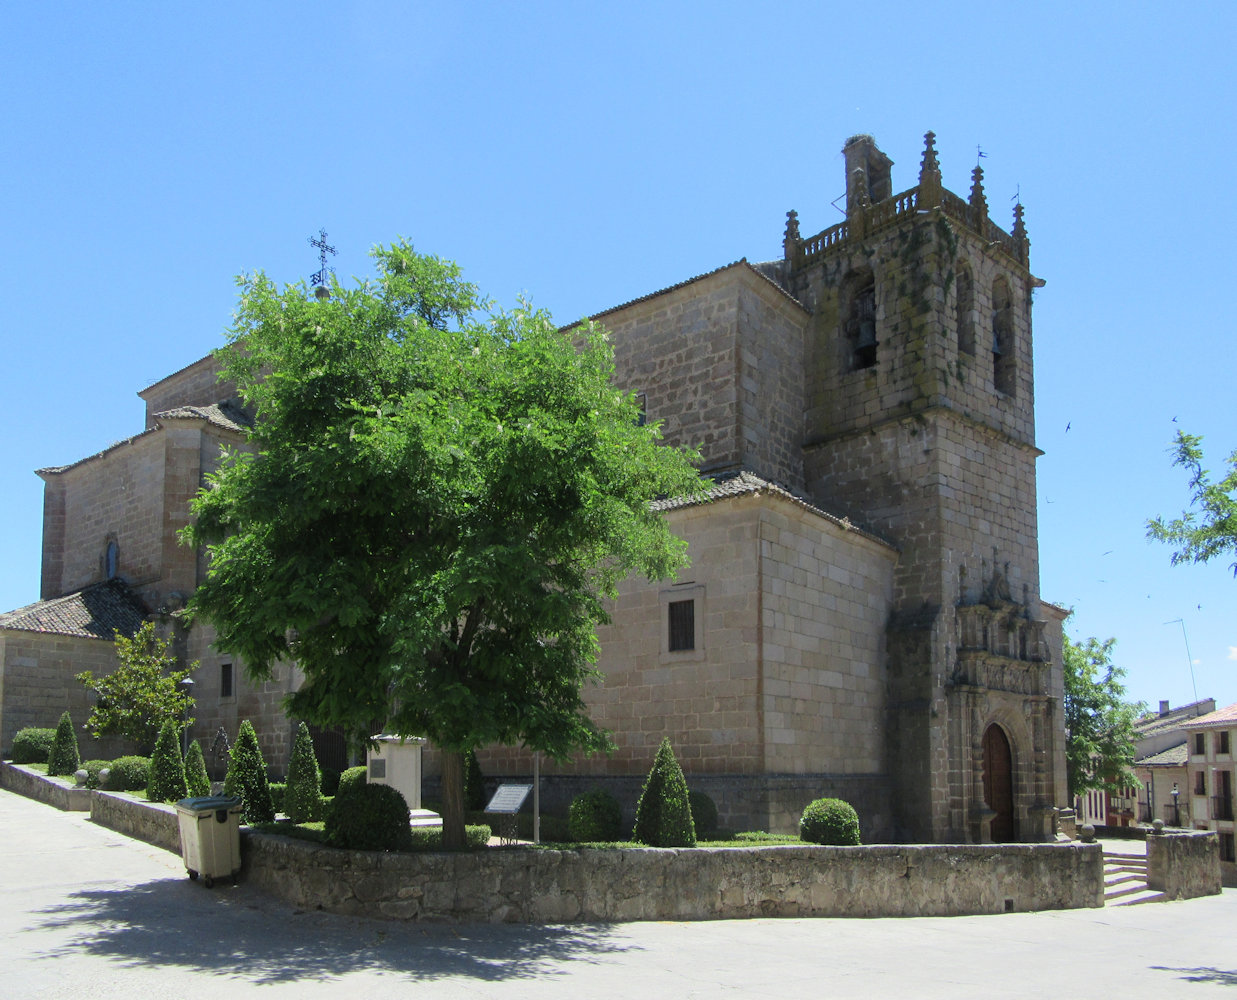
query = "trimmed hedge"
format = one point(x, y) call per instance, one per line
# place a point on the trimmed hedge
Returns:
point(64, 758)
point(594, 816)
point(369, 818)
point(352, 777)
point(197, 781)
point(302, 801)
point(92, 769)
point(167, 767)
point(830, 821)
point(246, 777)
point(663, 814)
point(33, 746)
point(128, 774)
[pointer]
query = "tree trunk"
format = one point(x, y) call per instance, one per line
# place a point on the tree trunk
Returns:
point(452, 800)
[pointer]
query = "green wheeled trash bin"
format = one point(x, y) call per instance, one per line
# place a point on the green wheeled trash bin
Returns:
point(210, 836)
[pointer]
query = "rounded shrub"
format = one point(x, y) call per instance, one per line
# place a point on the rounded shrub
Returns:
point(350, 779)
point(330, 782)
point(663, 814)
point(302, 801)
point(197, 781)
point(594, 816)
point(369, 818)
point(829, 821)
point(33, 746)
point(704, 812)
point(128, 774)
point(167, 767)
point(64, 758)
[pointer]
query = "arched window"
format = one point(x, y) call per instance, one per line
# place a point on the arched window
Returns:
point(966, 306)
point(1002, 338)
point(859, 320)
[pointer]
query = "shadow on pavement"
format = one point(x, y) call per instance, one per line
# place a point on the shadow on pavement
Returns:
point(235, 933)
point(1202, 975)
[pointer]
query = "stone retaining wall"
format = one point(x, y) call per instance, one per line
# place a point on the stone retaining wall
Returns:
point(62, 793)
point(154, 822)
point(548, 886)
point(1184, 864)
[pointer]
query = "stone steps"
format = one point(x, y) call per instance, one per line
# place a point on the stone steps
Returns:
point(1125, 881)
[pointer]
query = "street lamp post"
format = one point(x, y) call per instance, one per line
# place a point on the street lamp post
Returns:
point(1176, 806)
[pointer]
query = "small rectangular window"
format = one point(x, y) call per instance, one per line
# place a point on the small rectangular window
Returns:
point(1226, 847)
point(1222, 741)
point(1200, 783)
point(225, 680)
point(1200, 745)
point(682, 625)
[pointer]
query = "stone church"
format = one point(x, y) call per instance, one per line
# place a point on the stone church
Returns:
point(861, 617)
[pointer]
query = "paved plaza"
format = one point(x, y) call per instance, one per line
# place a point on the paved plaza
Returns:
point(85, 912)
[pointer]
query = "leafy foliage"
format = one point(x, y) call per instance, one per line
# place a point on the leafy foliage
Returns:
point(247, 778)
point(33, 745)
point(93, 768)
point(128, 774)
point(197, 781)
point(167, 767)
point(594, 816)
point(1099, 722)
point(829, 821)
point(434, 509)
point(136, 698)
point(369, 818)
point(1209, 528)
point(64, 758)
point(663, 814)
point(303, 799)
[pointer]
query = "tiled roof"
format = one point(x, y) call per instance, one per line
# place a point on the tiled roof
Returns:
point(1221, 718)
point(1177, 756)
point(1176, 718)
point(743, 483)
point(223, 414)
point(96, 612)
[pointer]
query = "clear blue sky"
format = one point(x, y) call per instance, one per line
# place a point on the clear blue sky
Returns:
point(587, 154)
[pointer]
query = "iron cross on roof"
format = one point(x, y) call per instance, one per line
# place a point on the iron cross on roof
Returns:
point(324, 248)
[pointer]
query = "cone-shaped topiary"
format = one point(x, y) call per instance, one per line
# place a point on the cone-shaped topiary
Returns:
point(167, 767)
point(663, 814)
point(474, 783)
point(829, 821)
point(246, 777)
point(302, 802)
point(197, 781)
point(64, 758)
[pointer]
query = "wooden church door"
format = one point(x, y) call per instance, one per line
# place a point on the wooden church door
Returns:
point(999, 783)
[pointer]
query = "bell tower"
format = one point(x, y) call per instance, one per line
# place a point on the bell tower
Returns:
point(919, 426)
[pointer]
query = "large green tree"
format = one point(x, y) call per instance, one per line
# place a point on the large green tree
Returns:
point(1208, 528)
point(142, 693)
point(437, 500)
point(1099, 721)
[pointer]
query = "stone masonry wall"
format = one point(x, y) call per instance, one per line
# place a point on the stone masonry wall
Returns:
point(544, 886)
point(116, 495)
point(37, 683)
point(194, 385)
point(1184, 865)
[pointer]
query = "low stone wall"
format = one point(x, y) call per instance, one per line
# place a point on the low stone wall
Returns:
point(549, 886)
point(154, 822)
point(62, 793)
point(1184, 864)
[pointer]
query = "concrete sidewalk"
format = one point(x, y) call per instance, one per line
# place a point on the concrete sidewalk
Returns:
point(85, 912)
